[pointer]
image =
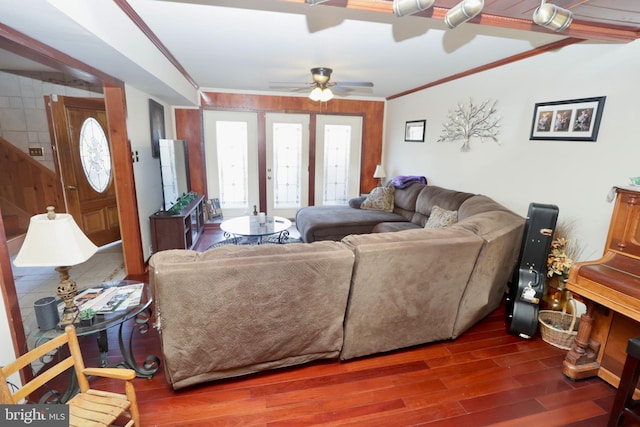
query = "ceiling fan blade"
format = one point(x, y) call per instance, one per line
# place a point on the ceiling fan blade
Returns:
point(339, 90)
point(359, 84)
point(290, 84)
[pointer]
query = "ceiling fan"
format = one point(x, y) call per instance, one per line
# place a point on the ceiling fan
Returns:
point(321, 88)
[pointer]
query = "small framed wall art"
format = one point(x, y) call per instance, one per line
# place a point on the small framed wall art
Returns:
point(156, 122)
point(573, 120)
point(414, 131)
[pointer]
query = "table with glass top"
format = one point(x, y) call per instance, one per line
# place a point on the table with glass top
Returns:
point(250, 228)
point(103, 321)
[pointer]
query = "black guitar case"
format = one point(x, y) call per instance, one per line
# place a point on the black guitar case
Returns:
point(529, 281)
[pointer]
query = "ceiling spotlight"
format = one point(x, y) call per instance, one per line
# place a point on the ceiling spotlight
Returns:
point(407, 7)
point(552, 17)
point(462, 12)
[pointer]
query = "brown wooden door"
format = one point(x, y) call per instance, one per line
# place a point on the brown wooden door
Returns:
point(85, 167)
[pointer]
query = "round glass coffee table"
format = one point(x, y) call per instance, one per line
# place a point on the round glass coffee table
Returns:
point(248, 230)
point(139, 310)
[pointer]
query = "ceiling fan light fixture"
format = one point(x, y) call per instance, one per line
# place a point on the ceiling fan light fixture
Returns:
point(321, 94)
point(321, 75)
point(552, 17)
point(407, 7)
point(315, 94)
point(462, 12)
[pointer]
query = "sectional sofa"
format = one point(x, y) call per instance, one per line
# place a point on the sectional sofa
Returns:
point(235, 310)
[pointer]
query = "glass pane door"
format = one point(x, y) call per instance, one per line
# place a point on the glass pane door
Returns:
point(287, 163)
point(231, 155)
point(338, 142)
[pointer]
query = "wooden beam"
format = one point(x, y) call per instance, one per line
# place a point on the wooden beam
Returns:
point(537, 51)
point(115, 103)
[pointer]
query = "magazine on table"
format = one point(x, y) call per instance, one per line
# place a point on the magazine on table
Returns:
point(109, 299)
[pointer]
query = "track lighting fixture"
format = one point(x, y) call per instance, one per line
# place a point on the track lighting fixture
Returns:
point(407, 7)
point(552, 17)
point(462, 12)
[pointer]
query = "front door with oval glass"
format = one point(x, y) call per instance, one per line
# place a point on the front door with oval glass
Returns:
point(83, 159)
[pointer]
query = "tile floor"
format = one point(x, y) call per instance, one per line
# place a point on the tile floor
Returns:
point(33, 283)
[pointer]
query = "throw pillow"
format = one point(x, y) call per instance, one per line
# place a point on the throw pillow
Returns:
point(380, 199)
point(441, 218)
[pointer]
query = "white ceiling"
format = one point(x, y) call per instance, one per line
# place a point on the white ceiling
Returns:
point(243, 45)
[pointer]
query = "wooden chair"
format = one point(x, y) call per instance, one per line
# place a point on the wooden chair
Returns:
point(624, 404)
point(88, 407)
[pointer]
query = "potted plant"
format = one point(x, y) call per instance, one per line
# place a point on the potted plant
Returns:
point(87, 317)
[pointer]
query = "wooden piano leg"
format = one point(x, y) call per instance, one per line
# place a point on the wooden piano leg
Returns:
point(580, 361)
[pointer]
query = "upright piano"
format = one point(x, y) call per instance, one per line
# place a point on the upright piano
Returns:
point(610, 289)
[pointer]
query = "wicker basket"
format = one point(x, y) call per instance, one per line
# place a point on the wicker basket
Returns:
point(559, 328)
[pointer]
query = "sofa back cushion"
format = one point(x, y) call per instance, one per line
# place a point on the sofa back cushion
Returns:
point(502, 232)
point(479, 204)
point(431, 196)
point(405, 200)
point(234, 310)
point(406, 287)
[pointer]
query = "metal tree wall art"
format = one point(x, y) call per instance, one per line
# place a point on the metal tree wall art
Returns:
point(471, 120)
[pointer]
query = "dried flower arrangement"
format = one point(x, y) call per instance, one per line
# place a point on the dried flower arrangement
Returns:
point(564, 251)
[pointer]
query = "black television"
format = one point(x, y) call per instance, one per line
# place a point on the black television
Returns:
point(174, 170)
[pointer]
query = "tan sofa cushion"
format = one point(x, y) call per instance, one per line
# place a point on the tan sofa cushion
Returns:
point(406, 287)
point(234, 310)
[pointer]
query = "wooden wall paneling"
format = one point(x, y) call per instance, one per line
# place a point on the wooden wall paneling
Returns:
point(262, 161)
point(10, 297)
point(371, 111)
point(27, 184)
point(189, 127)
point(312, 159)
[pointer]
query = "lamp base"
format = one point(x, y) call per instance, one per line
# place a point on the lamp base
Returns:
point(67, 290)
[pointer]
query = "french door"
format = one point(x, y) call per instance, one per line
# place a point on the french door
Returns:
point(287, 160)
point(338, 147)
point(231, 159)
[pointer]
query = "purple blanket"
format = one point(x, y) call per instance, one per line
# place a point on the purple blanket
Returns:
point(403, 181)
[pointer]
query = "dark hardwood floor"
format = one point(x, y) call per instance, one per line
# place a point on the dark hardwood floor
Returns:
point(485, 377)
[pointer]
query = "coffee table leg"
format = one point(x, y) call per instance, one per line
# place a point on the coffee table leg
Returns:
point(284, 236)
point(103, 346)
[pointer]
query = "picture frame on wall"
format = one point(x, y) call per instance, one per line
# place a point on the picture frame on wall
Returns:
point(414, 130)
point(572, 120)
point(156, 123)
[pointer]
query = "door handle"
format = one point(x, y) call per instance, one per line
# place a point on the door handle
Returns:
point(70, 187)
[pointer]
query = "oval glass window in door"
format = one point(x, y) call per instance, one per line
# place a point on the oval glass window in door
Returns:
point(95, 155)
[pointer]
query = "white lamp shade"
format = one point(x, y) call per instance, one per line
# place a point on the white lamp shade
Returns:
point(379, 172)
point(54, 243)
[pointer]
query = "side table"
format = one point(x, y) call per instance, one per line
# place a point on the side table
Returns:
point(103, 322)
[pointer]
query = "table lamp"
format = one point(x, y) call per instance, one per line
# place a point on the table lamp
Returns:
point(380, 174)
point(55, 240)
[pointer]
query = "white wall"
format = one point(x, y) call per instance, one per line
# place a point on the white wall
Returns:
point(575, 176)
point(23, 118)
point(146, 170)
